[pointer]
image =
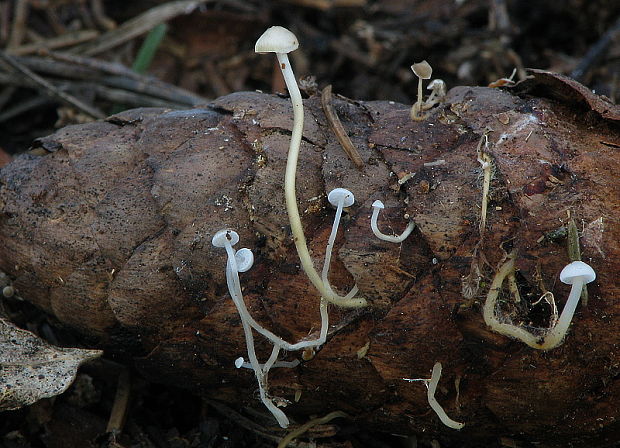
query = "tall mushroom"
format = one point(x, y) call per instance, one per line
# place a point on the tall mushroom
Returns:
point(281, 41)
point(422, 70)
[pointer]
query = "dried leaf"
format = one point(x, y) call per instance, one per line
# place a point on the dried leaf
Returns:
point(31, 369)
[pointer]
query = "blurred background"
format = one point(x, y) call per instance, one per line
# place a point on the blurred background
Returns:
point(103, 53)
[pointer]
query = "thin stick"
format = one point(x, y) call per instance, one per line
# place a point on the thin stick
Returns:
point(65, 40)
point(336, 126)
point(312, 423)
point(51, 89)
point(102, 20)
point(18, 30)
point(596, 51)
point(138, 26)
point(574, 253)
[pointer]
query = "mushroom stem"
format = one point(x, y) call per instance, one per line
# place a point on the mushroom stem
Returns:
point(557, 333)
point(289, 192)
point(432, 401)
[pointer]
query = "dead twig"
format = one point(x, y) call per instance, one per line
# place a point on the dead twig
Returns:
point(18, 30)
point(596, 52)
point(336, 126)
point(50, 89)
point(96, 7)
point(65, 40)
point(137, 26)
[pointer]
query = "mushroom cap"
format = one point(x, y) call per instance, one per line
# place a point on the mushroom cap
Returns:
point(244, 259)
point(220, 238)
point(276, 39)
point(422, 70)
point(378, 204)
point(336, 195)
point(577, 269)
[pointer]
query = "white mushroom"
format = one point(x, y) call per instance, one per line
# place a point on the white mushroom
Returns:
point(377, 206)
point(339, 198)
point(422, 70)
point(576, 274)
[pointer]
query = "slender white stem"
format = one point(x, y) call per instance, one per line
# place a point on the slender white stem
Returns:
point(382, 236)
point(328, 255)
point(432, 388)
point(557, 333)
point(289, 190)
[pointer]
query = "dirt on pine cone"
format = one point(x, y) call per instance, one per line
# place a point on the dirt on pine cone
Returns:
point(110, 231)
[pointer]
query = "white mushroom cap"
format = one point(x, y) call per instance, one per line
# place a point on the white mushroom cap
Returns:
point(378, 204)
point(437, 85)
point(244, 259)
point(220, 238)
point(276, 39)
point(575, 270)
point(336, 195)
point(422, 70)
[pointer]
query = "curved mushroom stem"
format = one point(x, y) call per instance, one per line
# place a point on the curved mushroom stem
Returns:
point(554, 336)
point(430, 394)
point(557, 333)
point(289, 191)
point(376, 208)
point(234, 288)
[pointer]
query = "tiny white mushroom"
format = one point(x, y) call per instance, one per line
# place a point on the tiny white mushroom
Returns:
point(377, 206)
point(576, 274)
point(339, 198)
point(422, 70)
point(438, 92)
point(281, 41)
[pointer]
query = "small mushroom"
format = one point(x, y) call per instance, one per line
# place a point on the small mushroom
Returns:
point(422, 70)
point(339, 198)
point(377, 206)
point(577, 274)
point(438, 92)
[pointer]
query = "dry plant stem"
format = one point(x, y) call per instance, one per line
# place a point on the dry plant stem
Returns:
point(553, 337)
point(306, 426)
point(574, 253)
point(289, 191)
point(65, 40)
point(18, 30)
point(485, 161)
point(121, 403)
point(51, 89)
point(336, 126)
point(137, 26)
point(432, 388)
